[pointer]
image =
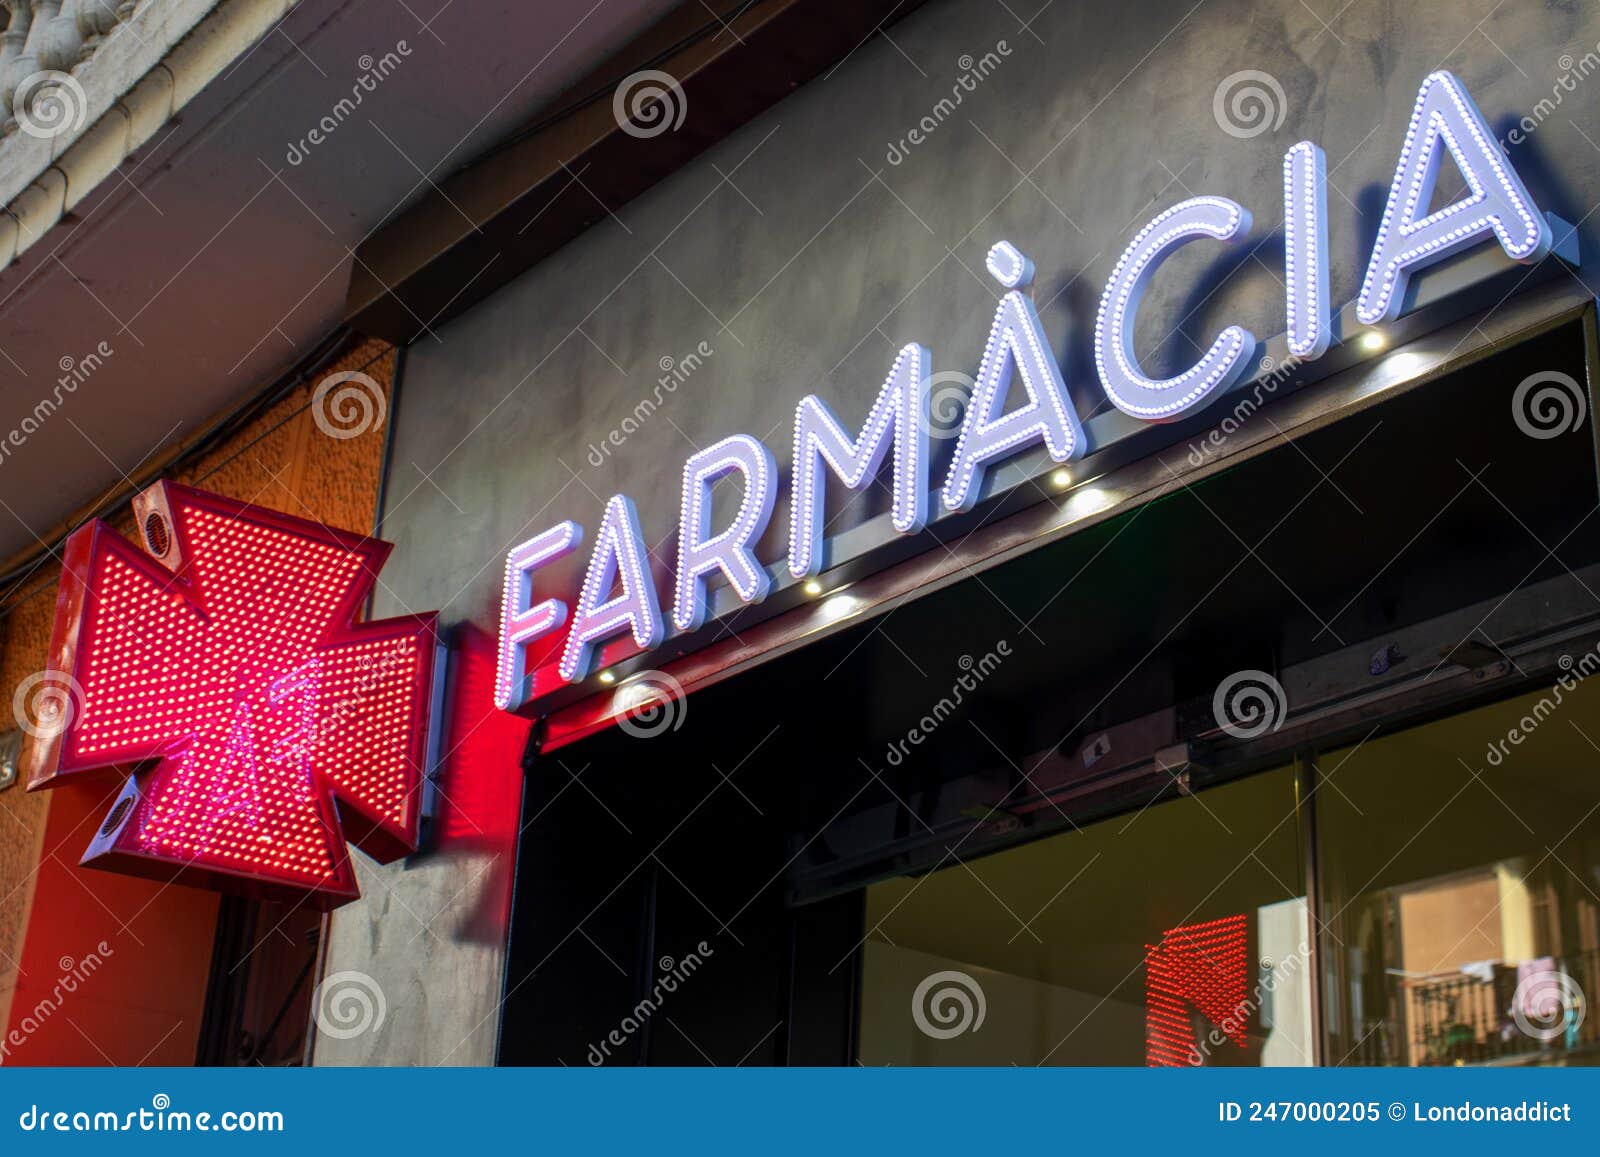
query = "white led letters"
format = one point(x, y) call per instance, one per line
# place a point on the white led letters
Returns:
point(521, 620)
point(619, 560)
point(899, 419)
point(729, 551)
point(1016, 345)
point(1305, 251)
point(1499, 205)
point(1129, 389)
point(618, 593)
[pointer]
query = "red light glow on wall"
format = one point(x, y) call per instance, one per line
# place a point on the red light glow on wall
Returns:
point(1196, 967)
point(223, 672)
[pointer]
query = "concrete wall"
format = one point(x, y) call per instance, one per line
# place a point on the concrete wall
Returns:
point(804, 258)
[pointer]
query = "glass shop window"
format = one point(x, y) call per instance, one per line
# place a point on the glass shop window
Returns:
point(1461, 873)
point(1176, 935)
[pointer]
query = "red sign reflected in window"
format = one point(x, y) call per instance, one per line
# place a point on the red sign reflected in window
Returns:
point(1196, 969)
point(222, 670)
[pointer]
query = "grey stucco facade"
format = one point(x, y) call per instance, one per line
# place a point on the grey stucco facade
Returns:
point(803, 251)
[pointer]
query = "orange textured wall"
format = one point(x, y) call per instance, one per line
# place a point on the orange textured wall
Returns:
point(97, 968)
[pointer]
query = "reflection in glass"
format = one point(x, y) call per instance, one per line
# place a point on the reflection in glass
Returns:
point(1172, 936)
point(1461, 887)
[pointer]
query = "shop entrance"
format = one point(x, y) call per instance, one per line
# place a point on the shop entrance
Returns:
point(1173, 778)
point(1458, 917)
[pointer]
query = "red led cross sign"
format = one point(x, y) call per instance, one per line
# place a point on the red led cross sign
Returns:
point(223, 671)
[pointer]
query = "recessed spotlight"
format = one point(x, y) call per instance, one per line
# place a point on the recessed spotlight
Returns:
point(607, 677)
point(1373, 339)
point(1061, 479)
point(812, 588)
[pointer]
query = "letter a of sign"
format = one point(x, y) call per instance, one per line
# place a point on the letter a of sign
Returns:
point(1410, 238)
point(222, 670)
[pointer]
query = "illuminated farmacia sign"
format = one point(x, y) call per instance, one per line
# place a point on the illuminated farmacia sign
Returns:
point(617, 596)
